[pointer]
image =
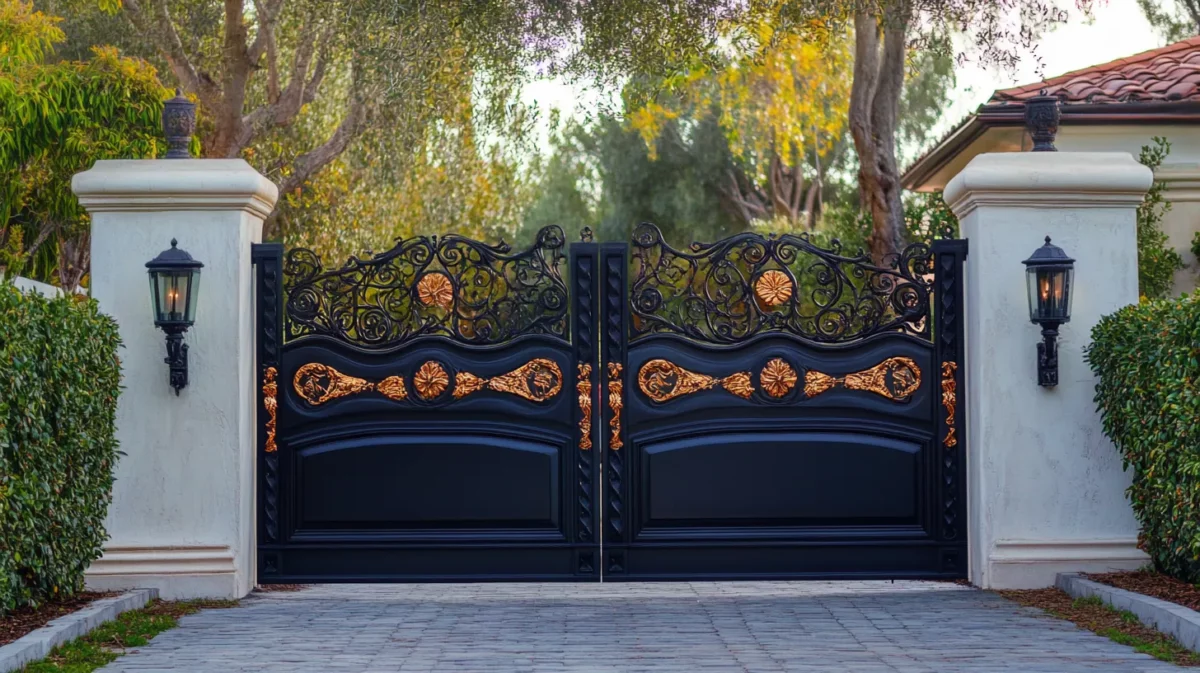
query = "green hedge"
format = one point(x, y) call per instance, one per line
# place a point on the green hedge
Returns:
point(1147, 358)
point(59, 381)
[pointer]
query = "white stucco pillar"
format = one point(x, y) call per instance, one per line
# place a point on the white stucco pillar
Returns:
point(1046, 492)
point(182, 516)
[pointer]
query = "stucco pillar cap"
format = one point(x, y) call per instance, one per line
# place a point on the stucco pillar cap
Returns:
point(173, 185)
point(1048, 180)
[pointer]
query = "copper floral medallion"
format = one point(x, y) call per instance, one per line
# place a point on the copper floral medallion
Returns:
point(435, 289)
point(431, 380)
point(773, 287)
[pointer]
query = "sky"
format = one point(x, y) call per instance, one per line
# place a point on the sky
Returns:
point(1118, 29)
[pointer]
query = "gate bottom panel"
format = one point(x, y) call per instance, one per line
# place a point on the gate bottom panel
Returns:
point(778, 560)
point(427, 563)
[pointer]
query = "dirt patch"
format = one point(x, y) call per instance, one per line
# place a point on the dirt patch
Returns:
point(278, 588)
point(1151, 583)
point(1097, 617)
point(23, 620)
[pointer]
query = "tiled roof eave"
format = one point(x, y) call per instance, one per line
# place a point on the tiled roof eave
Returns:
point(1012, 114)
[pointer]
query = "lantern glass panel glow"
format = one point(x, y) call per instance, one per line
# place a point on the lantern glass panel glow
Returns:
point(174, 287)
point(1050, 293)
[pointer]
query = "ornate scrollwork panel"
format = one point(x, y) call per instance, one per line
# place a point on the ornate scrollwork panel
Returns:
point(449, 286)
point(748, 284)
point(270, 389)
point(950, 401)
point(616, 401)
point(538, 380)
point(317, 384)
point(663, 380)
point(895, 378)
point(584, 388)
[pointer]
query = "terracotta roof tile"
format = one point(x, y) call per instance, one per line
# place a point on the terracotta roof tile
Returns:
point(1171, 73)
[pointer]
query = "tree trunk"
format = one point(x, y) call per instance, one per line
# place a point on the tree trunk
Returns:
point(874, 107)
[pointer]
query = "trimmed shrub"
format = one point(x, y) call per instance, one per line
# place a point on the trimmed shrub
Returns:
point(1147, 358)
point(59, 381)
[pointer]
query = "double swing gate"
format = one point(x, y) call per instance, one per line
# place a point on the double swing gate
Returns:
point(759, 407)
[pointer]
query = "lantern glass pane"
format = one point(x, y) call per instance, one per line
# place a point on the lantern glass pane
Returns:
point(171, 295)
point(193, 291)
point(155, 307)
point(1050, 293)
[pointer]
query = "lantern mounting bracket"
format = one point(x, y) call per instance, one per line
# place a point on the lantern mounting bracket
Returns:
point(1047, 352)
point(177, 357)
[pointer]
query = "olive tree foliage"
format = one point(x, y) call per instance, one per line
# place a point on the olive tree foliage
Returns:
point(56, 119)
point(257, 67)
point(886, 33)
point(1173, 19)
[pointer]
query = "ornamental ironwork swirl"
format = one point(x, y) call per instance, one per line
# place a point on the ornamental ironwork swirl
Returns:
point(748, 284)
point(447, 286)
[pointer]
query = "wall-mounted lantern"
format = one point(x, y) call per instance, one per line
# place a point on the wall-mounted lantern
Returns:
point(174, 284)
point(1049, 275)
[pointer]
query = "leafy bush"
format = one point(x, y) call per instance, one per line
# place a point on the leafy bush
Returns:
point(1157, 260)
point(59, 377)
point(1147, 357)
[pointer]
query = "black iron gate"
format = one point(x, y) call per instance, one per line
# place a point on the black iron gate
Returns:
point(758, 407)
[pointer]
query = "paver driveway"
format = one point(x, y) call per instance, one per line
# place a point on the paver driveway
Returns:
point(858, 627)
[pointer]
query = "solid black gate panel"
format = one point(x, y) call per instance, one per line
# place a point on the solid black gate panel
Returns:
point(782, 412)
point(429, 414)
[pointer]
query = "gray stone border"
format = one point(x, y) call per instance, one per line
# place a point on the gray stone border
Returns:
point(35, 645)
point(1171, 618)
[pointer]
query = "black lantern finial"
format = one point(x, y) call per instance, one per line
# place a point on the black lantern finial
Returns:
point(179, 125)
point(174, 286)
point(1049, 277)
point(1041, 120)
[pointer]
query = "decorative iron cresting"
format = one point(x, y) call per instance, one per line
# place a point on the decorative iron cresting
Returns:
point(663, 380)
point(270, 404)
point(950, 401)
point(616, 392)
point(538, 380)
point(584, 388)
point(895, 378)
point(748, 284)
point(449, 286)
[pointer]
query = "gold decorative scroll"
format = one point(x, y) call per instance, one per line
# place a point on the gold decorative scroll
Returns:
point(778, 378)
point(584, 386)
point(317, 383)
point(431, 380)
point(615, 403)
point(663, 380)
point(895, 378)
point(950, 401)
point(392, 388)
point(537, 381)
point(269, 389)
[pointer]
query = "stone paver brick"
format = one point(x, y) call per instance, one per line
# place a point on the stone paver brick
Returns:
point(686, 627)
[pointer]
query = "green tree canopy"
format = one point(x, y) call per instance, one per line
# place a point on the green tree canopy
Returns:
point(56, 119)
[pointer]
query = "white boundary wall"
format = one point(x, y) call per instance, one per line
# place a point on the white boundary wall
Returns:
point(1045, 487)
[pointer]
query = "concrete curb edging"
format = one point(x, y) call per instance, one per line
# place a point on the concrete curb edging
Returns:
point(37, 644)
point(1170, 618)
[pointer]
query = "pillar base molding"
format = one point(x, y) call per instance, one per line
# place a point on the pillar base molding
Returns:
point(1032, 564)
point(178, 572)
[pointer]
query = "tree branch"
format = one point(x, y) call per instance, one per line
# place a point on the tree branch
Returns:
point(301, 87)
point(307, 164)
point(166, 38)
point(268, 12)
